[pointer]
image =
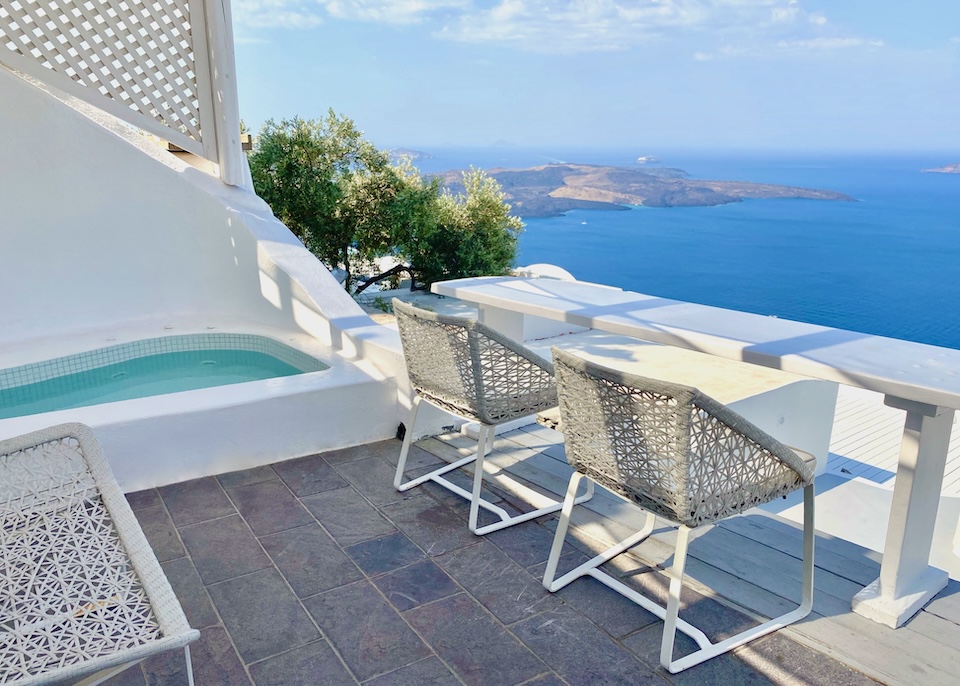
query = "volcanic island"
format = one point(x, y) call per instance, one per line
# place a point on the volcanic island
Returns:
point(552, 189)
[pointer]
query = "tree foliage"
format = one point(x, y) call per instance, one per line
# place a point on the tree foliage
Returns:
point(349, 205)
point(473, 233)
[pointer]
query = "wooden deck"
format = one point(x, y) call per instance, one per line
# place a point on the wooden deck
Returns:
point(752, 561)
point(866, 441)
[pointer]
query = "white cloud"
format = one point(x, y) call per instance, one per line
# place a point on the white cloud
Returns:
point(388, 11)
point(242, 39)
point(287, 14)
point(780, 15)
point(309, 13)
point(824, 43)
point(757, 27)
point(593, 25)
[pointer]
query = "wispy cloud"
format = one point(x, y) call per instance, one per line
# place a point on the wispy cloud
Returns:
point(818, 45)
point(244, 39)
point(287, 14)
point(713, 27)
point(390, 11)
point(824, 43)
point(573, 26)
point(309, 13)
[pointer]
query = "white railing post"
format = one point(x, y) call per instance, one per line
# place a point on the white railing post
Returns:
point(223, 87)
point(907, 581)
point(507, 322)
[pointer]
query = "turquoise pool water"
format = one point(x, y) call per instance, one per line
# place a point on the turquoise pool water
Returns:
point(146, 368)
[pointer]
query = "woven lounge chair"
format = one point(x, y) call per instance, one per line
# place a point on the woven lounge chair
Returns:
point(82, 596)
point(471, 371)
point(679, 455)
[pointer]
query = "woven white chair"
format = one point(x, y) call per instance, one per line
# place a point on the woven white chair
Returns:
point(471, 371)
point(82, 596)
point(679, 455)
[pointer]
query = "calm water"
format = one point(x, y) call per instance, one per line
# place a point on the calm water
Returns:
point(888, 264)
point(141, 377)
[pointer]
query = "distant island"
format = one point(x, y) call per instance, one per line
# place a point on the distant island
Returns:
point(552, 189)
point(413, 155)
point(946, 169)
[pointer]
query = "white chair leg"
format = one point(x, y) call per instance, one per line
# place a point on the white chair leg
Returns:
point(670, 614)
point(484, 447)
point(809, 536)
point(484, 443)
point(806, 604)
point(186, 656)
point(435, 475)
point(560, 536)
point(589, 567)
point(673, 599)
point(405, 448)
point(505, 519)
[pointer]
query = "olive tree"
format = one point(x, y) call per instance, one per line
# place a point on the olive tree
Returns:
point(328, 185)
point(473, 234)
point(349, 205)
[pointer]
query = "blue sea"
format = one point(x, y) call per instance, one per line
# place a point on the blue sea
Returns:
point(888, 264)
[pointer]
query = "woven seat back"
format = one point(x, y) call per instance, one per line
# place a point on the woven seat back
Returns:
point(668, 447)
point(470, 369)
point(439, 359)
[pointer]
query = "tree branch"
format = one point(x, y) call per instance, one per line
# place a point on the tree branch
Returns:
point(385, 275)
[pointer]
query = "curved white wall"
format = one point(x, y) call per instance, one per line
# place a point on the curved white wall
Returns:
point(101, 230)
point(95, 232)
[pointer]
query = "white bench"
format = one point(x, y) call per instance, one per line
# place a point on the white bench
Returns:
point(82, 595)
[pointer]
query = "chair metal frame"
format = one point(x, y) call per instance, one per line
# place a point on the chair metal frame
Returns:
point(471, 371)
point(692, 407)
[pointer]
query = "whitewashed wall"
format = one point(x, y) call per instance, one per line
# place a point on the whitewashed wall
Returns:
point(101, 229)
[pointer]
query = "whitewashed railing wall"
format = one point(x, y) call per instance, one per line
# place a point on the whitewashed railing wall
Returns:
point(165, 66)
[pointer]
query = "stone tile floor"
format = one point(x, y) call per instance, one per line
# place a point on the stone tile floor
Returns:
point(316, 571)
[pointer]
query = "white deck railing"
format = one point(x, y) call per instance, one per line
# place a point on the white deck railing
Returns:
point(922, 380)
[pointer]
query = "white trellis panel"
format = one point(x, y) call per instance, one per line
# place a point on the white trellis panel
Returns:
point(145, 61)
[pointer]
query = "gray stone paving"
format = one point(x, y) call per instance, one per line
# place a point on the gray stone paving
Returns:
point(316, 571)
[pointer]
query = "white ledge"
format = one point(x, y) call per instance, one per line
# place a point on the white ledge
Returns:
point(903, 369)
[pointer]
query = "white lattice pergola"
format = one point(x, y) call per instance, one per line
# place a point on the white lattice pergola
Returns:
point(165, 66)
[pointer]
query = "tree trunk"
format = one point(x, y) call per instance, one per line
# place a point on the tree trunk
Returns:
point(386, 275)
point(346, 269)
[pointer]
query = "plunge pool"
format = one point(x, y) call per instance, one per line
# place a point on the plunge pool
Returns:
point(154, 366)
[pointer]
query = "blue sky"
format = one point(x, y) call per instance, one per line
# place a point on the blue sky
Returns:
point(730, 74)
